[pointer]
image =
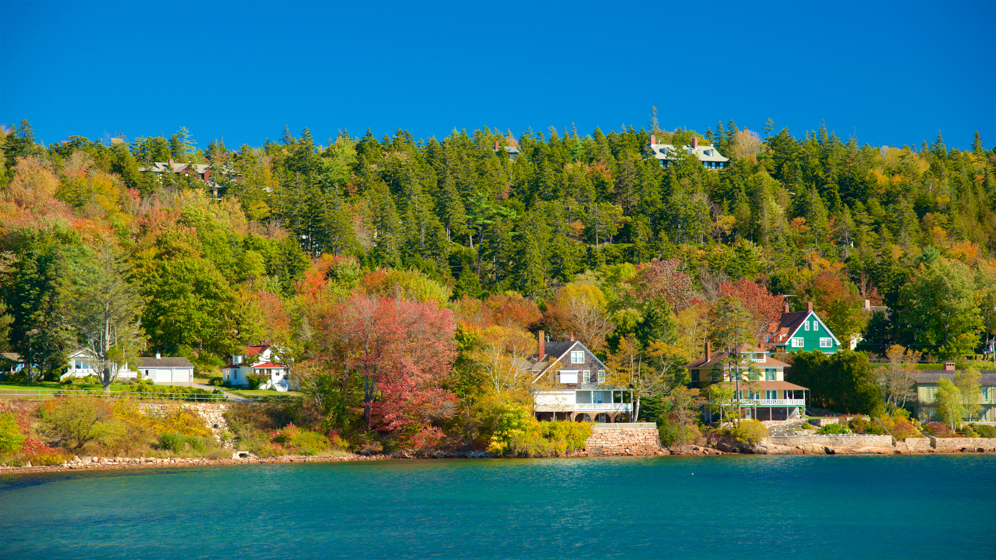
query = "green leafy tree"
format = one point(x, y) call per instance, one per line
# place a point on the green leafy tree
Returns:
point(937, 312)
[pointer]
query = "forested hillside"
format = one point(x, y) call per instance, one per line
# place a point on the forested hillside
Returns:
point(474, 247)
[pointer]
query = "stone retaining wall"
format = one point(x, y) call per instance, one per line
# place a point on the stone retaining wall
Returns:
point(213, 414)
point(635, 438)
point(834, 440)
point(950, 445)
point(914, 445)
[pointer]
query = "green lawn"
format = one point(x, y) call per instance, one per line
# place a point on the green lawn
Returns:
point(53, 386)
point(249, 394)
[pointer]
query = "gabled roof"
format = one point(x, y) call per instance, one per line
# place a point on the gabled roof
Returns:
point(164, 362)
point(556, 351)
point(704, 153)
point(720, 356)
point(268, 365)
point(255, 350)
point(790, 323)
point(12, 356)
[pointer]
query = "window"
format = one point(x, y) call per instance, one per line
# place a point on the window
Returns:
point(770, 374)
point(797, 342)
point(752, 374)
point(577, 357)
point(587, 376)
point(816, 325)
point(826, 342)
point(601, 376)
point(695, 376)
point(806, 325)
point(79, 364)
point(770, 394)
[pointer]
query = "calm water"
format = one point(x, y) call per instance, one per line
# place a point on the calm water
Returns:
point(669, 507)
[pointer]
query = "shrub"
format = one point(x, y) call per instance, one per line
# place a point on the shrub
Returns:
point(750, 432)
point(72, 422)
point(859, 425)
point(182, 421)
point(938, 429)
point(256, 380)
point(673, 432)
point(833, 430)
point(11, 438)
point(172, 441)
point(808, 426)
point(574, 435)
point(302, 442)
point(985, 430)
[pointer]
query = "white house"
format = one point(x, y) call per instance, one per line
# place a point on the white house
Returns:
point(260, 360)
point(571, 383)
point(166, 369)
point(708, 155)
point(80, 366)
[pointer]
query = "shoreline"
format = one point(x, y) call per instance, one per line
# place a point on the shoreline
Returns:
point(127, 463)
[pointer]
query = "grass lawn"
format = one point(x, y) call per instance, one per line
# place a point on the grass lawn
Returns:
point(248, 393)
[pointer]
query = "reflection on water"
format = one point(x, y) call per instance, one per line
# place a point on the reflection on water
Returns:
point(816, 507)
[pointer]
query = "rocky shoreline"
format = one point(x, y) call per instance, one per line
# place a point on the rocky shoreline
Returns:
point(722, 447)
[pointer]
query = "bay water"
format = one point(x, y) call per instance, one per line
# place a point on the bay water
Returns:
point(919, 506)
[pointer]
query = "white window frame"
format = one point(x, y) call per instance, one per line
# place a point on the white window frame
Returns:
point(798, 342)
point(826, 342)
point(816, 325)
point(577, 356)
point(601, 376)
point(807, 325)
point(586, 375)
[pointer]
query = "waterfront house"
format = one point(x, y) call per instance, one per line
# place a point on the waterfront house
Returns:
point(166, 369)
point(261, 360)
point(763, 392)
point(708, 155)
point(801, 331)
point(570, 383)
point(80, 364)
point(926, 382)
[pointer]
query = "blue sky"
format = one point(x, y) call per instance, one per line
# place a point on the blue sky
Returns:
point(890, 73)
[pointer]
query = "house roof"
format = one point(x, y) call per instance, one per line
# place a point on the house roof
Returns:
point(704, 153)
point(254, 350)
point(556, 350)
point(789, 323)
point(767, 385)
point(720, 356)
point(268, 365)
point(165, 362)
point(930, 376)
point(12, 356)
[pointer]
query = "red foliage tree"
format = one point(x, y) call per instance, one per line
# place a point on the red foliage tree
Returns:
point(663, 280)
point(765, 308)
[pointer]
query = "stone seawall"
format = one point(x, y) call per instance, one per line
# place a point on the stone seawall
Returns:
point(914, 445)
point(835, 440)
point(213, 414)
point(951, 445)
point(636, 438)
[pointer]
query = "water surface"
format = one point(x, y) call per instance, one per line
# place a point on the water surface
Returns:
point(668, 507)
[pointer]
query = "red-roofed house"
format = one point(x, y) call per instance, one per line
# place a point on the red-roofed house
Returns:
point(259, 360)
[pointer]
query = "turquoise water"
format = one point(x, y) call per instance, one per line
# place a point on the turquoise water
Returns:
point(668, 507)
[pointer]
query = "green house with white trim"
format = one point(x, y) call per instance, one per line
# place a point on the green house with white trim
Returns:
point(801, 330)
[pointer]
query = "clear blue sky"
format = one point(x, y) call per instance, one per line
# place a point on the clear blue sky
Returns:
point(892, 72)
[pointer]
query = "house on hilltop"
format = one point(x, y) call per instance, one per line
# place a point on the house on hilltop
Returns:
point(258, 360)
point(762, 390)
point(708, 155)
point(205, 172)
point(570, 383)
point(801, 331)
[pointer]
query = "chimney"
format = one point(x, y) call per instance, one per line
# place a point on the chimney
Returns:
point(497, 145)
point(541, 351)
point(695, 142)
point(158, 356)
point(572, 336)
point(949, 366)
point(809, 306)
point(708, 348)
point(653, 139)
point(171, 162)
point(868, 306)
point(786, 306)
